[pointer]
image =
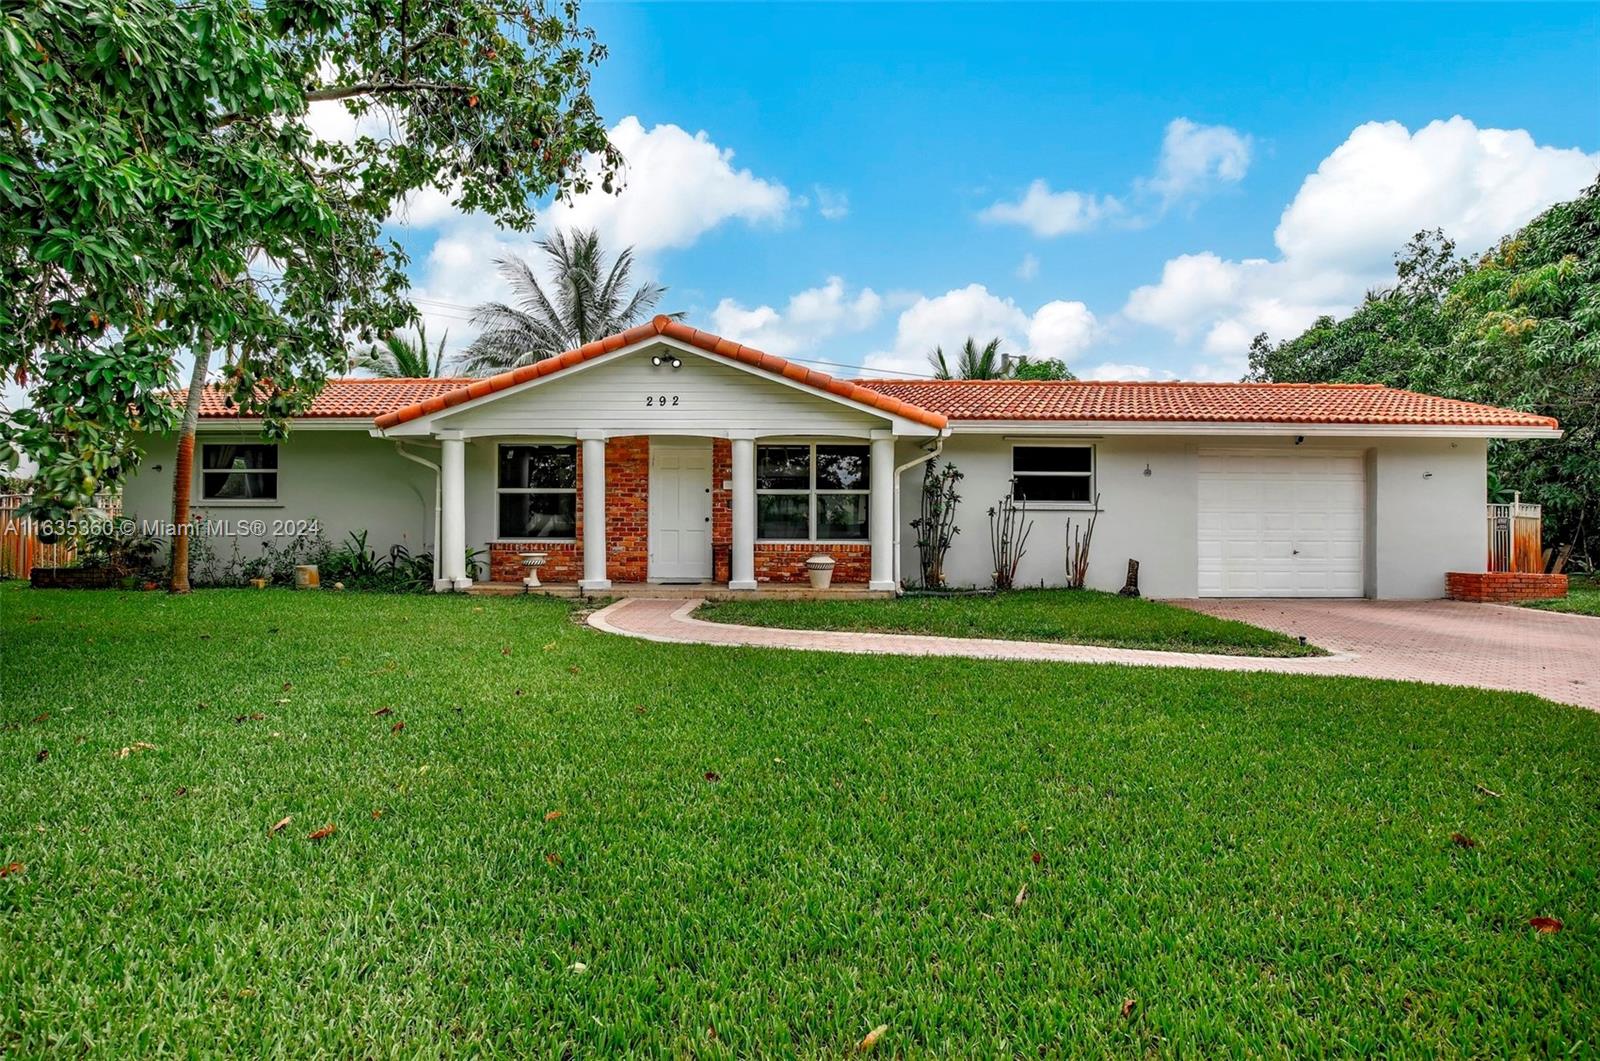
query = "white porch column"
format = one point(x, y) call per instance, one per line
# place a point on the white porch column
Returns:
point(880, 511)
point(742, 556)
point(453, 513)
point(594, 512)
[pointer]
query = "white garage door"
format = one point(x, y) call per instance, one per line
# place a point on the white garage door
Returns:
point(1281, 524)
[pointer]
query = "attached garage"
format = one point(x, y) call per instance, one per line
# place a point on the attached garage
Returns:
point(1281, 524)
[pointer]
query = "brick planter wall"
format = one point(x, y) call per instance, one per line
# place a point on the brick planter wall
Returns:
point(1503, 587)
point(505, 561)
point(787, 562)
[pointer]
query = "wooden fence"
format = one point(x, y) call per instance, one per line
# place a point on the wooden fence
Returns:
point(21, 549)
point(1516, 537)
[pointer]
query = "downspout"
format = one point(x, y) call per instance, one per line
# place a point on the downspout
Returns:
point(938, 448)
point(400, 448)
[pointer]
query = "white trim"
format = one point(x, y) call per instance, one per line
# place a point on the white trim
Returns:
point(1093, 474)
point(1067, 428)
point(428, 424)
point(197, 489)
point(811, 492)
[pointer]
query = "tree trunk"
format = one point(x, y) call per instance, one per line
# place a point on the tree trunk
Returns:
point(183, 472)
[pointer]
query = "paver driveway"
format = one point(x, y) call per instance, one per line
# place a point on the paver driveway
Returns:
point(1516, 649)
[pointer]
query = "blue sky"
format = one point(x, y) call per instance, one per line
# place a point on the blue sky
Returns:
point(852, 183)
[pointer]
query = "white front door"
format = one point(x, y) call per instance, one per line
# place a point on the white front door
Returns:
point(1281, 524)
point(680, 510)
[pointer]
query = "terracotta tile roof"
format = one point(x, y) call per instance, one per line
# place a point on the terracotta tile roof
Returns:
point(344, 398)
point(1285, 403)
point(662, 325)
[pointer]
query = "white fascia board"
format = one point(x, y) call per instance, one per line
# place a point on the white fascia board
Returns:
point(1213, 427)
point(428, 424)
point(321, 423)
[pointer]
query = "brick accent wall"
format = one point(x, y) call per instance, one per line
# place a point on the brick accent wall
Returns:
point(628, 530)
point(1503, 587)
point(627, 523)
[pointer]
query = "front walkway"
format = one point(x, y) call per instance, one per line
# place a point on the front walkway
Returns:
point(1518, 650)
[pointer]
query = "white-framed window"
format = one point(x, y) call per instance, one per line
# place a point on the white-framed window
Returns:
point(812, 492)
point(1053, 474)
point(536, 492)
point(239, 471)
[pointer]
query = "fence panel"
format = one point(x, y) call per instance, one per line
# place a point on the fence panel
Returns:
point(1516, 537)
point(21, 550)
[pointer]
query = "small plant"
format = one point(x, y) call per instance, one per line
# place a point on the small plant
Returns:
point(1078, 541)
point(1009, 528)
point(936, 526)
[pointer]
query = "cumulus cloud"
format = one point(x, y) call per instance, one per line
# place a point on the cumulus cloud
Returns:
point(808, 319)
point(1114, 370)
point(1058, 329)
point(1336, 239)
point(1028, 268)
point(1046, 213)
point(1194, 159)
point(679, 187)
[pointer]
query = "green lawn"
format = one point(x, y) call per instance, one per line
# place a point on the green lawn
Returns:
point(758, 851)
point(1081, 617)
point(1583, 597)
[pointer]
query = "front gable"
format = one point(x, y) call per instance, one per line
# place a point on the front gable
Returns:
point(661, 386)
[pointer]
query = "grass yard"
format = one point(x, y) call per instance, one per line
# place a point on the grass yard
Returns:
point(579, 845)
point(1080, 617)
point(1583, 597)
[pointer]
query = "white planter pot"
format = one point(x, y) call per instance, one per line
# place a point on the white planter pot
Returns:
point(820, 568)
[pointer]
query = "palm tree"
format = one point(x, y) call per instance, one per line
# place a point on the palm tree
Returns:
point(975, 362)
point(399, 357)
point(587, 301)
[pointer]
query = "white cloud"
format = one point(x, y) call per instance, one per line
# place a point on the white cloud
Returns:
point(679, 187)
point(810, 317)
point(1113, 370)
point(1337, 238)
point(1057, 329)
point(1046, 213)
point(1028, 268)
point(1194, 159)
point(832, 204)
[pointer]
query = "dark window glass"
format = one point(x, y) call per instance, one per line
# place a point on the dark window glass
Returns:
point(841, 517)
point(238, 458)
point(239, 486)
point(543, 467)
point(783, 516)
point(783, 467)
point(1051, 488)
point(842, 467)
point(1050, 459)
point(538, 515)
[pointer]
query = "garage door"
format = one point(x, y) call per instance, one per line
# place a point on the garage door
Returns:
point(1281, 524)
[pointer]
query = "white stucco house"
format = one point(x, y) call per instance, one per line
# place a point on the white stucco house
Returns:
point(716, 463)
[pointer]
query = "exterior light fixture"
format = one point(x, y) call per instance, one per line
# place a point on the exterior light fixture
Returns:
point(1147, 469)
point(669, 359)
point(1299, 439)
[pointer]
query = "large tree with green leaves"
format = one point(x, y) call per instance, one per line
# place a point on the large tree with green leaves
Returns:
point(1518, 326)
point(583, 299)
point(167, 195)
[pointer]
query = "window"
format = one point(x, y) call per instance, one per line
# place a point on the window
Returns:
point(812, 493)
point(537, 491)
point(1062, 475)
point(246, 471)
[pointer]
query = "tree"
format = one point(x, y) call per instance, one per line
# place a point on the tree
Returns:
point(400, 357)
point(587, 300)
point(1044, 369)
point(167, 194)
point(974, 362)
point(1519, 326)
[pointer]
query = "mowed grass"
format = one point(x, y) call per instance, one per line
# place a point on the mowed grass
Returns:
point(1080, 617)
point(1583, 597)
point(758, 852)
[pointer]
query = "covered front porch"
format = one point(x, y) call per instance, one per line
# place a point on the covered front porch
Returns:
point(696, 514)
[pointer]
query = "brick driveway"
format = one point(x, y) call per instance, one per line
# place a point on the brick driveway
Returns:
point(1516, 649)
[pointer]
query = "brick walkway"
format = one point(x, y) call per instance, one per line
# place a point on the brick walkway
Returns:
point(1552, 655)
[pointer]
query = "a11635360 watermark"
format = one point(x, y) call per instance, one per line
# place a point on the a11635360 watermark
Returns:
point(201, 527)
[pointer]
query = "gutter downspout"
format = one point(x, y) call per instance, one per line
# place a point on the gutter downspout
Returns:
point(400, 448)
point(932, 454)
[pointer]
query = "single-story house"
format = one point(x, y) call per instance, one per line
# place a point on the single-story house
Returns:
point(716, 463)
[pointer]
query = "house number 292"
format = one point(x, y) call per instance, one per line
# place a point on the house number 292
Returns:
point(651, 401)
